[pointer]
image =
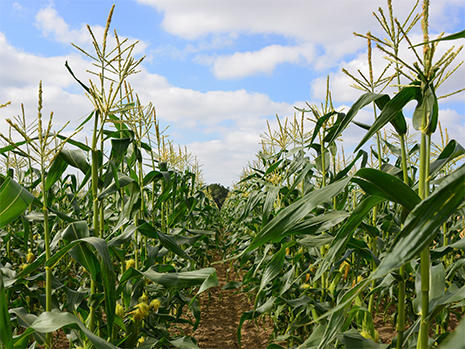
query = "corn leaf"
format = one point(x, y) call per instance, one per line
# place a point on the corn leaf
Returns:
point(455, 36)
point(455, 339)
point(391, 110)
point(342, 123)
point(452, 151)
point(382, 184)
point(51, 321)
point(72, 157)
point(14, 200)
point(6, 335)
point(422, 223)
point(286, 218)
point(343, 235)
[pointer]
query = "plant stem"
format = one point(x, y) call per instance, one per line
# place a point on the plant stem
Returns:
point(400, 325)
point(48, 271)
point(425, 145)
point(424, 257)
point(95, 208)
point(141, 209)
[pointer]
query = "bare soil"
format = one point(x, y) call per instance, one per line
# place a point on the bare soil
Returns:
point(386, 329)
point(221, 310)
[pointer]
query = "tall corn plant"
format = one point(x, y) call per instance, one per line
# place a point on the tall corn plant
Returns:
point(45, 146)
point(395, 32)
point(114, 66)
point(425, 119)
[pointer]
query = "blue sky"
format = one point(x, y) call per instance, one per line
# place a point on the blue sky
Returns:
point(216, 70)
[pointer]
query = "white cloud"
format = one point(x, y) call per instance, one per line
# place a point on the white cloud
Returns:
point(25, 68)
point(20, 84)
point(318, 21)
point(224, 159)
point(301, 19)
point(17, 6)
point(194, 108)
point(326, 24)
point(242, 64)
point(54, 26)
point(454, 122)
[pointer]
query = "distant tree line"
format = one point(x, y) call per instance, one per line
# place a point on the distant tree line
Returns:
point(218, 193)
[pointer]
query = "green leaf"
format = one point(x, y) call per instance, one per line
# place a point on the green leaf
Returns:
point(273, 269)
point(14, 200)
point(272, 192)
point(392, 148)
point(73, 157)
point(78, 144)
point(122, 181)
point(315, 240)
point(342, 124)
point(341, 174)
point(123, 237)
point(167, 241)
point(25, 320)
point(437, 281)
point(422, 223)
point(343, 235)
point(206, 278)
point(321, 120)
point(336, 320)
point(6, 335)
point(78, 81)
point(108, 278)
point(289, 216)
point(314, 339)
point(379, 183)
point(455, 36)
point(452, 150)
point(354, 340)
point(51, 321)
point(455, 339)
point(427, 108)
point(14, 146)
point(81, 253)
point(273, 167)
point(184, 343)
point(319, 161)
point(274, 346)
point(442, 251)
point(119, 147)
point(347, 299)
point(319, 223)
point(438, 303)
point(391, 110)
point(152, 176)
point(77, 233)
point(361, 125)
point(398, 122)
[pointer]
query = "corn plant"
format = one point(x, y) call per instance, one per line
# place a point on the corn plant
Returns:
point(308, 247)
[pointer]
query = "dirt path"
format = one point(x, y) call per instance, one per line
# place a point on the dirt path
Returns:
point(221, 311)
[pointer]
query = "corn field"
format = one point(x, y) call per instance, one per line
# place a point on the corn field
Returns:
point(111, 241)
